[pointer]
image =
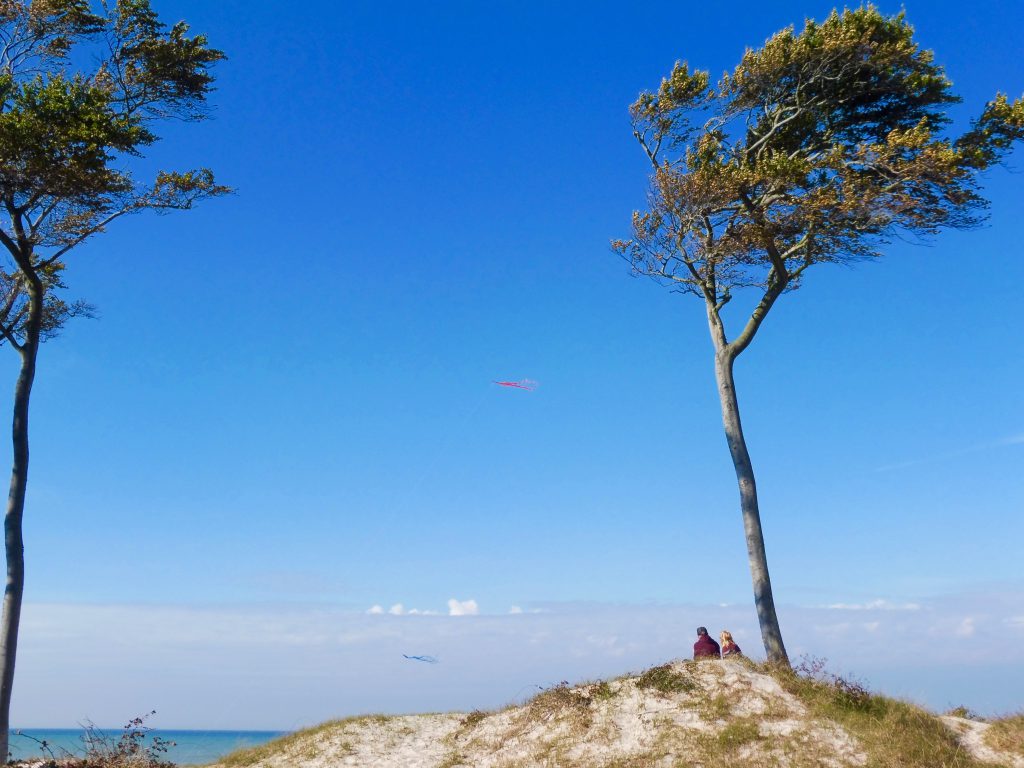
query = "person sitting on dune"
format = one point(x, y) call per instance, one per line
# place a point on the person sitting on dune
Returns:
point(705, 647)
point(729, 647)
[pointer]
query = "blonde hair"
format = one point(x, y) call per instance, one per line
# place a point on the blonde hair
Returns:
point(725, 637)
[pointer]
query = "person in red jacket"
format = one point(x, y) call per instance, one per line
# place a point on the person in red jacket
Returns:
point(729, 647)
point(705, 647)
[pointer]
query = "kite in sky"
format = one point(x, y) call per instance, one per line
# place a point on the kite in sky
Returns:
point(524, 384)
point(426, 659)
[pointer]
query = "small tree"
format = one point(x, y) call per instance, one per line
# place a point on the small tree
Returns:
point(80, 90)
point(818, 148)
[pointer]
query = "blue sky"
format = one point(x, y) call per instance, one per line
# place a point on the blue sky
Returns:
point(286, 402)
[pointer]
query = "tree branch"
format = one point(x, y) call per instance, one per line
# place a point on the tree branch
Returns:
point(774, 290)
point(7, 334)
point(652, 154)
point(84, 236)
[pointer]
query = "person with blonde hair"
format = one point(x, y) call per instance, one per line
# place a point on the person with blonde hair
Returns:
point(729, 647)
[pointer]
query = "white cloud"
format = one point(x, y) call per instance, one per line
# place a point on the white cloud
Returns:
point(399, 609)
point(197, 666)
point(515, 609)
point(966, 628)
point(462, 607)
point(874, 605)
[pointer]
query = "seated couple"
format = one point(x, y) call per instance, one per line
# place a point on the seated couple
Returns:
point(707, 648)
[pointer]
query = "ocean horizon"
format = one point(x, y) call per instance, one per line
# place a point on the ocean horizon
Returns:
point(185, 747)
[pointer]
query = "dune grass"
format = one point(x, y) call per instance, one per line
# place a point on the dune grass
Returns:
point(1007, 735)
point(557, 722)
point(299, 743)
point(892, 733)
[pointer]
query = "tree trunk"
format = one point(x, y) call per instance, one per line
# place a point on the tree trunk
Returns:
point(13, 539)
point(763, 601)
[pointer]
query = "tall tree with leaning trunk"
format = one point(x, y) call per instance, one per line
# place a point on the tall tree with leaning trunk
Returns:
point(819, 147)
point(66, 135)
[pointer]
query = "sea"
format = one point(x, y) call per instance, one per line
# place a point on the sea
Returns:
point(189, 747)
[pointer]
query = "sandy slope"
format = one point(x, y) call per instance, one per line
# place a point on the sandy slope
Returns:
point(717, 708)
point(972, 736)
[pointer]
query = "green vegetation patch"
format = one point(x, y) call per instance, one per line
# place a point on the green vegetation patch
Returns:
point(601, 691)
point(666, 679)
point(737, 734)
point(715, 708)
point(1007, 735)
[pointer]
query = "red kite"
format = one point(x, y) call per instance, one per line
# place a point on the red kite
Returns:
point(524, 384)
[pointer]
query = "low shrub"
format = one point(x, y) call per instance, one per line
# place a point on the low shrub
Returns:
point(134, 747)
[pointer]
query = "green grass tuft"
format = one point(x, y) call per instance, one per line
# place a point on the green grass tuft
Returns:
point(665, 679)
point(738, 733)
point(602, 691)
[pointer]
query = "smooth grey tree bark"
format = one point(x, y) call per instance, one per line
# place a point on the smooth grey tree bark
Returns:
point(13, 536)
point(725, 356)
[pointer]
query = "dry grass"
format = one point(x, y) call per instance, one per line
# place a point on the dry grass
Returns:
point(300, 743)
point(893, 733)
point(473, 718)
point(1007, 735)
point(558, 701)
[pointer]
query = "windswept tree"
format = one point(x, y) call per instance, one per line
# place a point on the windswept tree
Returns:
point(81, 89)
point(820, 147)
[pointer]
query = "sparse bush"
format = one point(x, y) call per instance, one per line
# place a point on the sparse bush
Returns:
point(473, 718)
point(844, 692)
point(666, 679)
point(133, 748)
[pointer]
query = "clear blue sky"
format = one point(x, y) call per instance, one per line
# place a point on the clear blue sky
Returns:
point(287, 398)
